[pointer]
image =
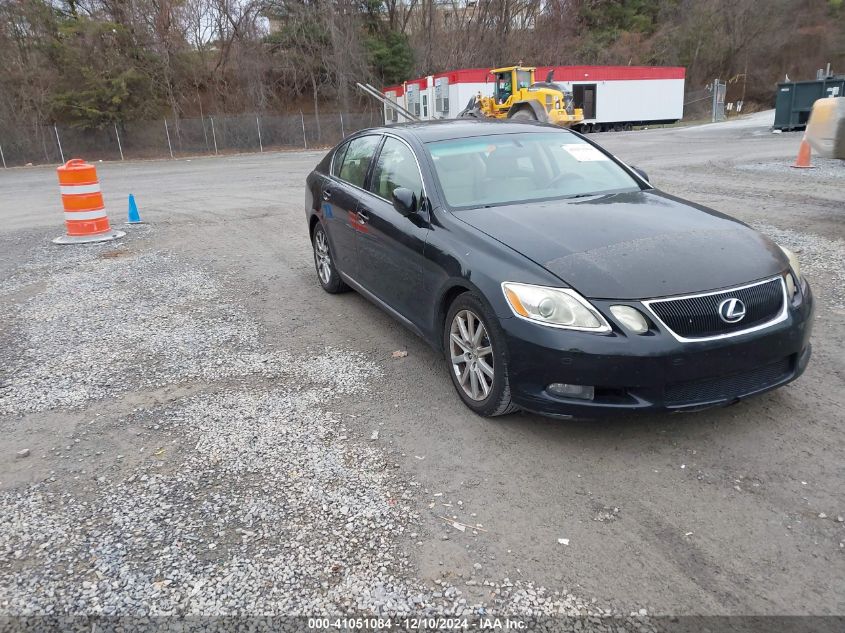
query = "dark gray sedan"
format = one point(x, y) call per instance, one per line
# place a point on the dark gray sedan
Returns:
point(553, 277)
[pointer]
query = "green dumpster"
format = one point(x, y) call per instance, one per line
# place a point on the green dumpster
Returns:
point(795, 100)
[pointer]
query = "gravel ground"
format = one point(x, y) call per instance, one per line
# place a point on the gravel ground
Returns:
point(250, 496)
point(824, 169)
point(820, 258)
point(191, 426)
point(130, 322)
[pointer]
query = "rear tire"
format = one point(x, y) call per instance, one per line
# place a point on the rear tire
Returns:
point(525, 114)
point(324, 262)
point(472, 338)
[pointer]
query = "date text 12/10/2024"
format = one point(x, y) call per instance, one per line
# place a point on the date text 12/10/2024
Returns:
point(417, 624)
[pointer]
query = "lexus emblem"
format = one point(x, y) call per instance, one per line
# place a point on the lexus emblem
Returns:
point(732, 310)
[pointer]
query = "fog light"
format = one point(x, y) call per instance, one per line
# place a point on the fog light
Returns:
point(630, 318)
point(791, 287)
point(563, 390)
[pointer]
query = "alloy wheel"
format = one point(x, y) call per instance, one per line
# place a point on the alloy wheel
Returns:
point(322, 257)
point(472, 354)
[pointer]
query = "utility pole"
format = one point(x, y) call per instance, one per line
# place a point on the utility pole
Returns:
point(715, 99)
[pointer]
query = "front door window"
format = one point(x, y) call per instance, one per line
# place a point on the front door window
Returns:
point(396, 167)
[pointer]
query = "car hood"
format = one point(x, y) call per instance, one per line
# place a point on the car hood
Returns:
point(633, 245)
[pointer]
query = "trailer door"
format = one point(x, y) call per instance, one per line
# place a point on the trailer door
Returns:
point(584, 96)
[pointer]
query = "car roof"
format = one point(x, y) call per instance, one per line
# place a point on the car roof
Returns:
point(427, 131)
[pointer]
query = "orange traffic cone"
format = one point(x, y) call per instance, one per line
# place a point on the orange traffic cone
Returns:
point(803, 159)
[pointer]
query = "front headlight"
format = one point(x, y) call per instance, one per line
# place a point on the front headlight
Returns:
point(555, 307)
point(793, 262)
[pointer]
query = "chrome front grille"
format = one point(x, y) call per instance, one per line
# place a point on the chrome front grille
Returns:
point(696, 317)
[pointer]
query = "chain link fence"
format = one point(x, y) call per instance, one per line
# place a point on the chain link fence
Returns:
point(707, 103)
point(698, 104)
point(174, 138)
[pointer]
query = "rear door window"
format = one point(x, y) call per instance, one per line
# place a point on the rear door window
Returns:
point(356, 160)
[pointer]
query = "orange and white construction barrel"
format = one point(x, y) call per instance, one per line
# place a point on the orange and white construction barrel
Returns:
point(85, 213)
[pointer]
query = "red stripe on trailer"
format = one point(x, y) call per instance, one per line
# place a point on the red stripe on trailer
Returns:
point(465, 75)
point(563, 73)
point(611, 73)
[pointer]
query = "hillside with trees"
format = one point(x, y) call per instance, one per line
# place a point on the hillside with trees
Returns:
point(90, 63)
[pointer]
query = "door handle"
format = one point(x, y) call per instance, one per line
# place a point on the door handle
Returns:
point(327, 194)
point(363, 217)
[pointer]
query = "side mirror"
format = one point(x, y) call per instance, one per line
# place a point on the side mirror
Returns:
point(404, 201)
point(642, 174)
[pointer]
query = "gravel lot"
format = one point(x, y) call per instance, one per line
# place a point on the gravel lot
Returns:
point(191, 427)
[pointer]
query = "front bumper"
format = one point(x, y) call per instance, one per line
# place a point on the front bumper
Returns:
point(652, 372)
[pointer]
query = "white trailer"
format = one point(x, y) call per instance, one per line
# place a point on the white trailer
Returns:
point(612, 97)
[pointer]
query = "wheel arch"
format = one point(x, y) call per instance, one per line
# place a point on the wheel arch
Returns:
point(447, 297)
point(451, 291)
point(313, 221)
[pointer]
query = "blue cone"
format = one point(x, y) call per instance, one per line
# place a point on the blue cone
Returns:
point(134, 216)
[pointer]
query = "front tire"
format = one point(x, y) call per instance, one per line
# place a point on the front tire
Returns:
point(526, 114)
point(324, 262)
point(477, 356)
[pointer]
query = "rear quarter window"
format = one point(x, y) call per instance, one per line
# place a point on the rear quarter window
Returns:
point(337, 159)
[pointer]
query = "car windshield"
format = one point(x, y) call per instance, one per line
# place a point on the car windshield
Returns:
point(506, 168)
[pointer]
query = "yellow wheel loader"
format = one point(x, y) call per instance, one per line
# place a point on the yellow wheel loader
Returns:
point(517, 96)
